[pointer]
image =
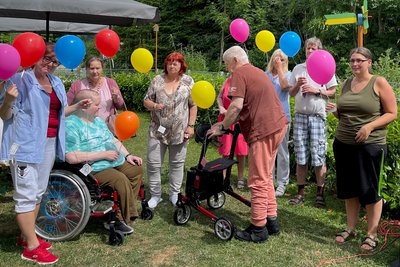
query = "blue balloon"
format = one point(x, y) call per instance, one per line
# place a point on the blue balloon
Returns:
point(290, 43)
point(70, 51)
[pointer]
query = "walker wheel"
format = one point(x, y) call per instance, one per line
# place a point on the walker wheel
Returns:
point(216, 201)
point(224, 229)
point(147, 214)
point(116, 238)
point(182, 214)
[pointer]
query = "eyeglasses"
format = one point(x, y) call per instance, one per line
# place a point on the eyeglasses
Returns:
point(357, 61)
point(47, 60)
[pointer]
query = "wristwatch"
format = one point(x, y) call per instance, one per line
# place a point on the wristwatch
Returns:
point(221, 128)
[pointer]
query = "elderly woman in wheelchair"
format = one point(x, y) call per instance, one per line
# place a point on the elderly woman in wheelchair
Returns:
point(89, 142)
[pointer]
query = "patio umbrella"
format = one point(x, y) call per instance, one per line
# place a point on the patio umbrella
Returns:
point(39, 26)
point(104, 12)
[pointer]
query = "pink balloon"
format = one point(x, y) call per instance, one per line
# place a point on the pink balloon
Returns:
point(239, 30)
point(321, 66)
point(9, 61)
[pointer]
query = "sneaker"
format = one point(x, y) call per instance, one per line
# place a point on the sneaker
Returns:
point(39, 255)
point(272, 226)
point(120, 226)
point(153, 202)
point(43, 244)
point(280, 190)
point(241, 184)
point(173, 199)
point(253, 234)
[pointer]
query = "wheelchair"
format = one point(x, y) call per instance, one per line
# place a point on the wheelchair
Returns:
point(71, 198)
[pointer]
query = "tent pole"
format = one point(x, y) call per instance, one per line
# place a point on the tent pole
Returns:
point(47, 25)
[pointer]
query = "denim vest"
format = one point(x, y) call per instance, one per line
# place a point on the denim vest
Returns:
point(28, 125)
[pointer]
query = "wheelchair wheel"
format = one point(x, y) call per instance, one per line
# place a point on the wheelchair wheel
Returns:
point(216, 201)
point(182, 214)
point(147, 214)
point(65, 207)
point(116, 238)
point(224, 229)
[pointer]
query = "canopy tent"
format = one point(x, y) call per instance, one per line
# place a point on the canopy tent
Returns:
point(104, 12)
point(39, 26)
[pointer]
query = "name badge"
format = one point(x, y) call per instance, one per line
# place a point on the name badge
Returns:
point(86, 169)
point(161, 129)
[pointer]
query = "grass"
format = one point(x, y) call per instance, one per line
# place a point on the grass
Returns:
point(307, 236)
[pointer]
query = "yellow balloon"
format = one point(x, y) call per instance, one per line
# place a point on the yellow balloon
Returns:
point(203, 94)
point(142, 60)
point(265, 40)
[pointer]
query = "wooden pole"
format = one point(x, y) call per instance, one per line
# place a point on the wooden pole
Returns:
point(360, 36)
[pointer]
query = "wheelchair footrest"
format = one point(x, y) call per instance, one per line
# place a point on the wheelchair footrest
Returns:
point(103, 207)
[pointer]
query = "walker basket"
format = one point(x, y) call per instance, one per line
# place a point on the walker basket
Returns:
point(208, 180)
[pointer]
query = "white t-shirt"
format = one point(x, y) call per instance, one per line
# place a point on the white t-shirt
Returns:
point(309, 103)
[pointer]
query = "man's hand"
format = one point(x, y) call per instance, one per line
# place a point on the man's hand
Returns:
point(215, 130)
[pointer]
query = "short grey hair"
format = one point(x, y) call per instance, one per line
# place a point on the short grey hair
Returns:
point(85, 94)
point(313, 40)
point(235, 52)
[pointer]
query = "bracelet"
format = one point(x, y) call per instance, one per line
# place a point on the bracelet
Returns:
point(191, 125)
point(126, 157)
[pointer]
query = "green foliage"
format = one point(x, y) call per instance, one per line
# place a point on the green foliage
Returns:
point(133, 87)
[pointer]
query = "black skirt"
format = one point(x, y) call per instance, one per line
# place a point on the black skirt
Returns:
point(357, 170)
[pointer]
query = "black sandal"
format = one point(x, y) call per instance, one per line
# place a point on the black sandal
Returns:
point(297, 200)
point(347, 235)
point(371, 242)
point(320, 202)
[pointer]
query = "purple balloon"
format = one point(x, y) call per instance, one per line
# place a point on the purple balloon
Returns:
point(239, 30)
point(9, 61)
point(321, 66)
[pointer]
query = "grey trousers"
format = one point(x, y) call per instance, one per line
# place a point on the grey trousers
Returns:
point(282, 170)
point(155, 158)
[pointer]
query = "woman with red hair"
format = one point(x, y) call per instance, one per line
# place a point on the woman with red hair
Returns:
point(173, 115)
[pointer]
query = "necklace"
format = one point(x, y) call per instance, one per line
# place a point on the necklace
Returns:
point(95, 87)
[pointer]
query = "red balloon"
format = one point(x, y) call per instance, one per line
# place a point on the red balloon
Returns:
point(31, 48)
point(107, 42)
point(126, 125)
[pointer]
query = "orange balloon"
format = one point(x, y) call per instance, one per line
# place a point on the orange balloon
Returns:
point(126, 125)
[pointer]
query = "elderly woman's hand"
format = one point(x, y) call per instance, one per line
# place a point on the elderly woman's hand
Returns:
point(11, 94)
point(84, 103)
point(189, 132)
point(115, 95)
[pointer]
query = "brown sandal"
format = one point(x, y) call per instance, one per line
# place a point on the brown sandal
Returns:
point(297, 200)
point(369, 241)
point(347, 235)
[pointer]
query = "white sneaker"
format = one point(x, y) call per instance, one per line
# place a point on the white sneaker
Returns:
point(153, 202)
point(173, 199)
point(280, 190)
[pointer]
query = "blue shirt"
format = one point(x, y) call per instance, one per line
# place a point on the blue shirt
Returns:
point(28, 125)
point(282, 95)
point(92, 136)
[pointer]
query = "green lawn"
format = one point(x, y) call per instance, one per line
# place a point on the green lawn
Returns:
point(307, 236)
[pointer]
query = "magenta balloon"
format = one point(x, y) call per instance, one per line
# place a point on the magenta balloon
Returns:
point(9, 61)
point(321, 66)
point(239, 30)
